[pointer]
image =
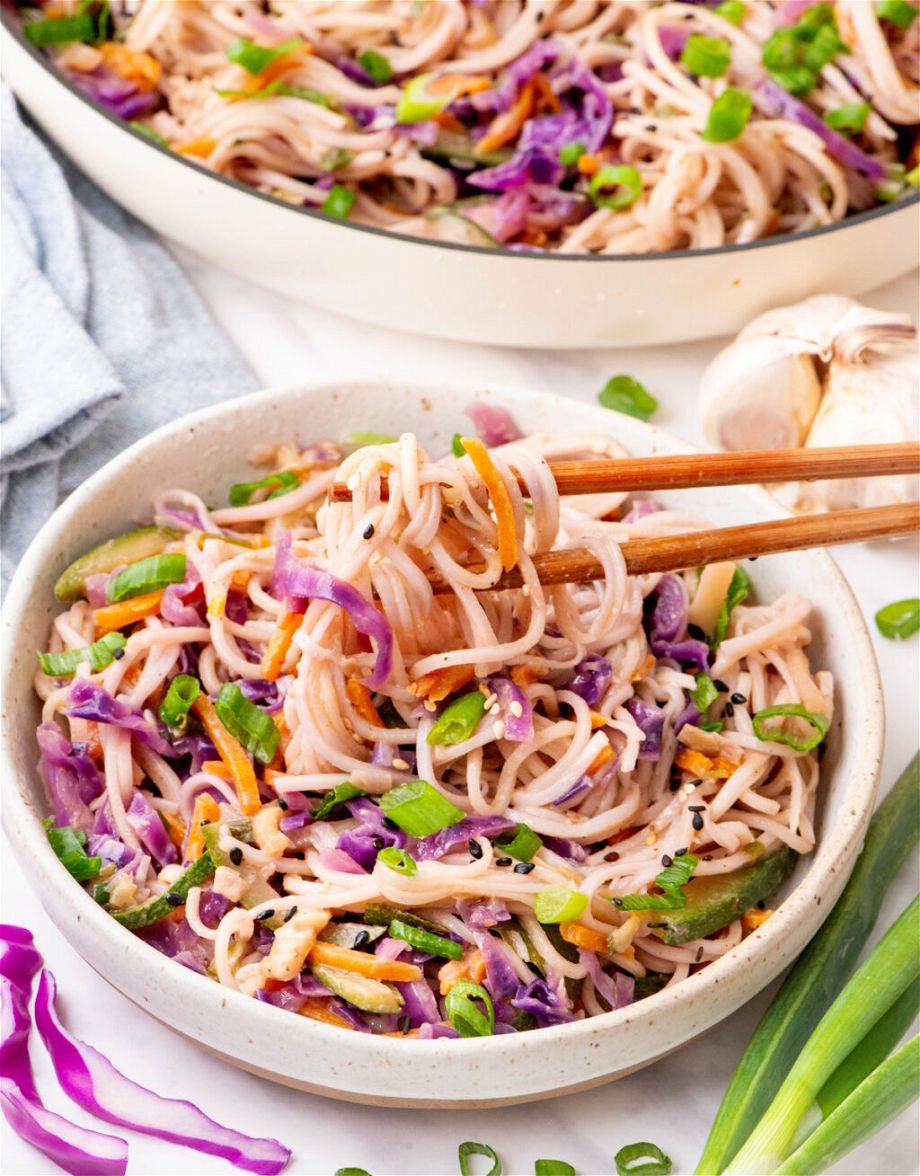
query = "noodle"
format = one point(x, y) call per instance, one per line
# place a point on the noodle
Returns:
point(603, 74)
point(582, 731)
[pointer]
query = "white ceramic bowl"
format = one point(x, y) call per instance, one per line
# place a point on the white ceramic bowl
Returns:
point(206, 452)
point(457, 291)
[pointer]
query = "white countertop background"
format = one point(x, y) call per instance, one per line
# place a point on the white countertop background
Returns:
point(671, 1103)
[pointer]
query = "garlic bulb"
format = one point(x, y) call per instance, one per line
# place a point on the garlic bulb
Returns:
point(827, 371)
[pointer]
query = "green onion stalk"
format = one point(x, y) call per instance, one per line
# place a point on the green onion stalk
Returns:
point(891, 968)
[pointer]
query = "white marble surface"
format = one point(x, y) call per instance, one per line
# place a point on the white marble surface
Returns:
point(671, 1103)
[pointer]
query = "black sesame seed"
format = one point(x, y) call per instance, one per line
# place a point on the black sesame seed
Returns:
point(174, 899)
point(729, 709)
point(379, 843)
point(363, 937)
point(707, 857)
point(523, 867)
point(761, 905)
point(613, 857)
point(118, 654)
point(697, 822)
point(667, 860)
point(495, 933)
point(651, 926)
point(755, 558)
point(503, 861)
point(618, 902)
point(289, 914)
point(269, 914)
point(405, 1024)
point(674, 785)
point(369, 531)
point(720, 686)
point(739, 699)
point(388, 823)
point(696, 808)
point(680, 852)
point(533, 967)
point(699, 953)
point(651, 126)
point(283, 805)
point(236, 855)
point(475, 849)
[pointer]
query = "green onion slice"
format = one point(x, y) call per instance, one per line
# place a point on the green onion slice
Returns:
point(728, 116)
point(418, 809)
point(456, 446)
point(60, 30)
point(900, 619)
point(896, 12)
point(616, 186)
point(151, 134)
point(849, 117)
point(711, 726)
point(399, 861)
point(478, 1149)
point(467, 1017)
point(352, 441)
point(99, 655)
point(522, 844)
point(559, 904)
point(671, 880)
point(625, 394)
point(423, 940)
point(247, 723)
point(707, 57)
point(351, 1172)
point(182, 692)
point(704, 693)
point(279, 483)
point(336, 796)
point(417, 104)
point(570, 153)
point(339, 202)
point(254, 58)
point(459, 720)
point(642, 1159)
point(279, 89)
point(376, 66)
point(147, 575)
point(794, 710)
point(733, 11)
point(739, 589)
point(552, 1168)
point(69, 846)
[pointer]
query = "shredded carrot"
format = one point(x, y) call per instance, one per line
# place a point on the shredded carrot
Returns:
point(317, 1010)
point(588, 164)
point(754, 918)
point(450, 122)
point(581, 936)
point(507, 125)
point(240, 579)
point(436, 686)
point(501, 500)
point(604, 756)
point(201, 148)
point(175, 829)
point(94, 743)
point(117, 616)
point(362, 963)
point(276, 68)
point(217, 768)
point(471, 966)
point(524, 675)
point(644, 670)
point(232, 754)
point(360, 698)
point(205, 812)
point(140, 68)
point(457, 85)
point(547, 96)
point(399, 1033)
point(703, 766)
point(277, 650)
point(598, 721)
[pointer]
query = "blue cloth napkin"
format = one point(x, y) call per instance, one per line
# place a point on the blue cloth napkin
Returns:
point(104, 338)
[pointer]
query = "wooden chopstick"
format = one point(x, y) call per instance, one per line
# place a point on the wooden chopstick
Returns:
point(674, 553)
point(682, 471)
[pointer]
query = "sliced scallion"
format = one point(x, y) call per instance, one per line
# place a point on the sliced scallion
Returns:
point(704, 693)
point(559, 904)
point(423, 940)
point(522, 844)
point(339, 202)
point(456, 445)
point(728, 116)
point(731, 10)
point(478, 1149)
point(707, 57)
point(552, 1168)
point(69, 846)
point(352, 441)
point(896, 12)
point(376, 66)
point(459, 720)
point(626, 394)
point(334, 797)
point(464, 1013)
point(900, 619)
point(143, 129)
point(182, 692)
point(147, 575)
point(642, 1159)
point(570, 153)
point(254, 58)
point(99, 655)
point(849, 117)
point(417, 103)
point(671, 880)
point(739, 589)
point(247, 723)
point(399, 861)
point(616, 186)
point(60, 30)
point(818, 721)
point(418, 809)
point(278, 483)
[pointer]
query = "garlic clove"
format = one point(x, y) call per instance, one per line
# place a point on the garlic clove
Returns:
point(761, 392)
point(814, 322)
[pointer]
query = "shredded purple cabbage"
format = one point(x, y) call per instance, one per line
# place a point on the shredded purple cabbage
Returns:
point(494, 425)
point(617, 990)
point(591, 678)
point(446, 840)
point(261, 690)
point(113, 92)
point(71, 778)
point(149, 827)
point(91, 702)
point(501, 978)
point(546, 1003)
point(667, 626)
point(180, 602)
point(371, 834)
point(649, 720)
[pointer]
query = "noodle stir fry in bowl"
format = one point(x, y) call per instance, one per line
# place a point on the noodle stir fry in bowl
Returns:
point(290, 739)
point(590, 127)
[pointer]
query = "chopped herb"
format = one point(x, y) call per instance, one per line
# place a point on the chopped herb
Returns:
point(469, 1019)
point(279, 483)
point(375, 66)
point(336, 796)
point(625, 394)
point(671, 880)
point(704, 692)
point(738, 591)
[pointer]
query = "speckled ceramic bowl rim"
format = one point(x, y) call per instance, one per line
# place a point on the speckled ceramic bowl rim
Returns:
point(835, 850)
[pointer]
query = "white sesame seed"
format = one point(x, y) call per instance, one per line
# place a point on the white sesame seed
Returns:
point(652, 838)
point(516, 709)
point(494, 709)
point(491, 701)
point(400, 765)
point(429, 705)
point(498, 730)
point(525, 590)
